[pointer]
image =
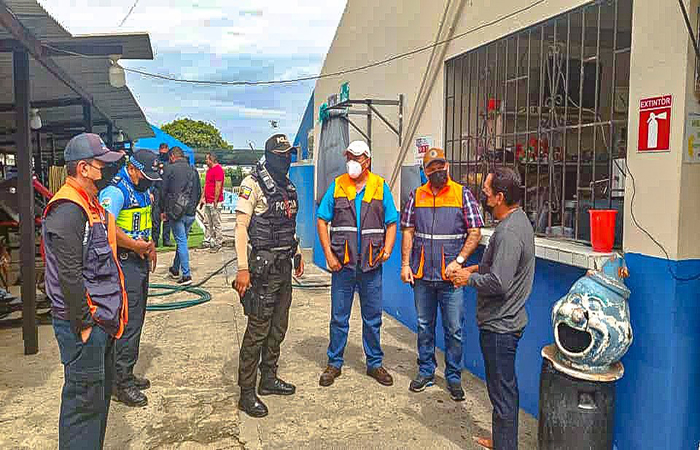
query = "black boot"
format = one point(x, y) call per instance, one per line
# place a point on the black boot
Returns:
point(131, 396)
point(271, 385)
point(141, 383)
point(250, 404)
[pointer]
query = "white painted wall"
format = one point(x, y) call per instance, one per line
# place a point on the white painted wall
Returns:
point(668, 193)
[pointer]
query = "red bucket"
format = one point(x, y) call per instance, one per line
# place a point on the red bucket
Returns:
point(602, 229)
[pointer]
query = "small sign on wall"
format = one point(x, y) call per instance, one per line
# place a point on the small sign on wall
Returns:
point(691, 152)
point(423, 144)
point(655, 124)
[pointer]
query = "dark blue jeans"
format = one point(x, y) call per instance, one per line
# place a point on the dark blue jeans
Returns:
point(343, 286)
point(499, 358)
point(428, 295)
point(136, 275)
point(189, 221)
point(88, 370)
point(180, 231)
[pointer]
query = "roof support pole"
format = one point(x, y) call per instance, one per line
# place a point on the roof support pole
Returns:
point(110, 135)
point(87, 117)
point(38, 163)
point(25, 196)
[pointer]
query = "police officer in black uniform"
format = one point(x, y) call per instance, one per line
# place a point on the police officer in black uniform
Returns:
point(266, 218)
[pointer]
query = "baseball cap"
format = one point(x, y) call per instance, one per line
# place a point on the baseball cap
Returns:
point(279, 143)
point(147, 162)
point(358, 148)
point(89, 146)
point(433, 155)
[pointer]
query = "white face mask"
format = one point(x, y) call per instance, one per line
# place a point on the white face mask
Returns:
point(354, 169)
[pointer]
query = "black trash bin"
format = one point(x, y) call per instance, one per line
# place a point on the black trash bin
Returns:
point(574, 414)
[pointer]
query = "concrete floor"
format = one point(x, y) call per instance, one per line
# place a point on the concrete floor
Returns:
point(191, 358)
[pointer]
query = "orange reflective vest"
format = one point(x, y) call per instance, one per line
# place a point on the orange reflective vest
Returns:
point(102, 274)
point(344, 242)
point(440, 230)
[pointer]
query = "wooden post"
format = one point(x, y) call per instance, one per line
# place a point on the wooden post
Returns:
point(25, 196)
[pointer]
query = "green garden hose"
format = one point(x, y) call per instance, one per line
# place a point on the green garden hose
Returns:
point(203, 296)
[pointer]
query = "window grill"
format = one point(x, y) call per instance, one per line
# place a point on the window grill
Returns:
point(552, 102)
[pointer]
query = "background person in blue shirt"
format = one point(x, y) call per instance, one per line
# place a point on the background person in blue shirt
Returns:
point(129, 200)
point(362, 216)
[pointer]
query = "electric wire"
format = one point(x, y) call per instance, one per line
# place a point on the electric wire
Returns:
point(129, 13)
point(643, 230)
point(320, 76)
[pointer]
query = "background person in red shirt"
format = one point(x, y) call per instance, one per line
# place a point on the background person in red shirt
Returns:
point(212, 196)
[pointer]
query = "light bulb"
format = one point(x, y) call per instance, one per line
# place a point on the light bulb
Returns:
point(117, 76)
point(34, 119)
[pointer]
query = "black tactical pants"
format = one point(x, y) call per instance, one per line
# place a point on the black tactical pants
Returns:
point(263, 337)
point(127, 347)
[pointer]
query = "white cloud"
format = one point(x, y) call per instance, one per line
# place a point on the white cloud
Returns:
point(272, 27)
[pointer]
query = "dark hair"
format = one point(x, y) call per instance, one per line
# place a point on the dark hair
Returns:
point(72, 167)
point(162, 145)
point(213, 157)
point(508, 182)
point(176, 152)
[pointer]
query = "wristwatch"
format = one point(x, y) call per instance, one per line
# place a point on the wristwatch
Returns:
point(460, 260)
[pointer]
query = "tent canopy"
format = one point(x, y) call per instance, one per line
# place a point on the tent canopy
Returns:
point(161, 136)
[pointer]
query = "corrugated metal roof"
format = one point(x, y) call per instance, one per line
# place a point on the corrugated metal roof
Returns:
point(92, 74)
point(36, 19)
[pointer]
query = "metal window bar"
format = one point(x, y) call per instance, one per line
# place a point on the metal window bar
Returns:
point(544, 122)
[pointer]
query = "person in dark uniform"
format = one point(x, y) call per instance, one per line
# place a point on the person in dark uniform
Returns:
point(163, 160)
point(129, 200)
point(266, 217)
point(86, 287)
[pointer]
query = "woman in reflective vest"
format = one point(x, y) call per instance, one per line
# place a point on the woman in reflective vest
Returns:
point(104, 281)
point(344, 239)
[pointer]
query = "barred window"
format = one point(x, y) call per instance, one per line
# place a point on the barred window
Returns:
point(552, 102)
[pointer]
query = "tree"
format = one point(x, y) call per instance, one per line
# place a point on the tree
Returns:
point(236, 175)
point(196, 134)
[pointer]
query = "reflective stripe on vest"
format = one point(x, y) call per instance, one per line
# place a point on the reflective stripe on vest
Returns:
point(344, 224)
point(135, 220)
point(102, 274)
point(440, 230)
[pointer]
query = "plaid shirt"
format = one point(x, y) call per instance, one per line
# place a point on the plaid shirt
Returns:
point(470, 211)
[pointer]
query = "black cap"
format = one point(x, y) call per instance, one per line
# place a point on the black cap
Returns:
point(90, 146)
point(147, 162)
point(279, 143)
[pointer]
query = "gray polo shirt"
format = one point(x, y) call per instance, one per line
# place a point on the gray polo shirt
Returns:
point(506, 274)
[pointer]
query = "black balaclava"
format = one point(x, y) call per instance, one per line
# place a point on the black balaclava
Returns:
point(278, 165)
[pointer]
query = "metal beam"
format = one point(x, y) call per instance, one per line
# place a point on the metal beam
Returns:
point(25, 195)
point(36, 49)
point(45, 104)
point(393, 128)
point(65, 48)
point(110, 135)
point(356, 128)
point(87, 117)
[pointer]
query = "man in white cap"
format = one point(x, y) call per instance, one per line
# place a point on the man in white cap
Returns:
point(362, 216)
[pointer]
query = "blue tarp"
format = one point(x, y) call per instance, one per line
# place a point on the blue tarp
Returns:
point(161, 136)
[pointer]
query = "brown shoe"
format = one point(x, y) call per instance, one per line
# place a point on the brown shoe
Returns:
point(329, 375)
point(381, 375)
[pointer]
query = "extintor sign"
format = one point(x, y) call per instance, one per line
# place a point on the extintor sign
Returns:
point(655, 124)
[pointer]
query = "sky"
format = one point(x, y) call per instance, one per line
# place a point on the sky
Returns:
point(218, 40)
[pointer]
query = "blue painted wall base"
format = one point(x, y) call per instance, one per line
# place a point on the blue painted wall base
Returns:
point(658, 399)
